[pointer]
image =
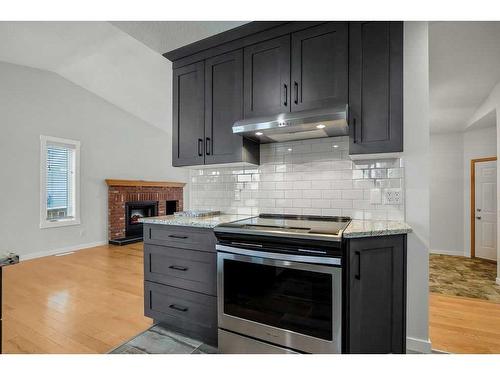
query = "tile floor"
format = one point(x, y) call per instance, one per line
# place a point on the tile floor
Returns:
point(463, 277)
point(158, 340)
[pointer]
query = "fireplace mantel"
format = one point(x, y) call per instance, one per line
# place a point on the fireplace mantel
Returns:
point(112, 182)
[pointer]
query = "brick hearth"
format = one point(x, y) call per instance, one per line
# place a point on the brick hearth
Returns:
point(123, 191)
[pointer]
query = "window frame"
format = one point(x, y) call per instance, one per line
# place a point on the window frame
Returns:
point(75, 220)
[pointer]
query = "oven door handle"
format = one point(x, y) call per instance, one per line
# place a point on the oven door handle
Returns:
point(280, 256)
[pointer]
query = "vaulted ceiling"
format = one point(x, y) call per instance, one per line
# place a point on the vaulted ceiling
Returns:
point(120, 62)
point(464, 66)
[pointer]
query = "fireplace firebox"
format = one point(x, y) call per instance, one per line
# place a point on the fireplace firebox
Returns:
point(135, 211)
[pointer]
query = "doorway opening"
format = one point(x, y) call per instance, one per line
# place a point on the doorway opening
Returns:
point(464, 284)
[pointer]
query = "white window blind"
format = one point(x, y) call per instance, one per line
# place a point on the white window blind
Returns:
point(60, 166)
point(58, 177)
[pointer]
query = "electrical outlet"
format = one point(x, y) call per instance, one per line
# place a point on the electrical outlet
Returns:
point(393, 196)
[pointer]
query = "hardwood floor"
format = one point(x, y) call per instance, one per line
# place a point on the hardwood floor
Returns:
point(92, 301)
point(86, 302)
point(464, 325)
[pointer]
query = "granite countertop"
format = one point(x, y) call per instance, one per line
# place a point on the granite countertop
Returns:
point(7, 259)
point(200, 222)
point(372, 228)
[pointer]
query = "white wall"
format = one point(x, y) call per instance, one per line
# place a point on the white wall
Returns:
point(416, 163)
point(451, 154)
point(114, 144)
point(478, 143)
point(447, 194)
point(492, 103)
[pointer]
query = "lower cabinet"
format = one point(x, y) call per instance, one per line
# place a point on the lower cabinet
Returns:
point(375, 295)
point(180, 292)
point(180, 280)
point(194, 314)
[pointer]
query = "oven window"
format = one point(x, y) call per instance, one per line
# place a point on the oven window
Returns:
point(296, 300)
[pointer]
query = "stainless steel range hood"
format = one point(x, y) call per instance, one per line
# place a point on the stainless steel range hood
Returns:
point(321, 123)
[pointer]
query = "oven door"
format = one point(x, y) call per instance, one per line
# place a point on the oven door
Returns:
point(293, 304)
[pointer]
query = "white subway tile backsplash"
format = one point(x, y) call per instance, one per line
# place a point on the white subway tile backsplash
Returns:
point(311, 194)
point(316, 177)
point(301, 185)
point(292, 194)
point(331, 212)
point(352, 194)
point(301, 203)
point(320, 203)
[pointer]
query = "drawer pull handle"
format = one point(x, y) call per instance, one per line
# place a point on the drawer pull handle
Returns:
point(176, 236)
point(178, 268)
point(178, 308)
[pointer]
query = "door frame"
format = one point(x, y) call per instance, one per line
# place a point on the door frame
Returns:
point(473, 201)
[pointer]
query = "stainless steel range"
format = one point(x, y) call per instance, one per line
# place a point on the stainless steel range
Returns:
point(279, 284)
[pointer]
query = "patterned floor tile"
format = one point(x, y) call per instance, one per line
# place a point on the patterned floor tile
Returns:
point(158, 340)
point(463, 277)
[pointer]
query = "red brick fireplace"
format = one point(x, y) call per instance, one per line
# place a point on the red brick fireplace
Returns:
point(131, 199)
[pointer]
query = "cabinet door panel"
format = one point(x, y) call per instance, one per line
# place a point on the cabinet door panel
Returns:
point(267, 77)
point(376, 87)
point(188, 115)
point(223, 106)
point(320, 66)
point(377, 295)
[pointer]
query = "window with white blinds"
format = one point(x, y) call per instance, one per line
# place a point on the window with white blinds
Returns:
point(59, 182)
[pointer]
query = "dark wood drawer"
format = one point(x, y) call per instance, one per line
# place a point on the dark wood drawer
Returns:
point(191, 313)
point(202, 239)
point(186, 269)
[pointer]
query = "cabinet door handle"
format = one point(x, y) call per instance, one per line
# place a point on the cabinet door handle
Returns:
point(354, 140)
point(178, 268)
point(296, 86)
point(285, 94)
point(178, 307)
point(177, 236)
point(207, 146)
point(200, 145)
point(358, 274)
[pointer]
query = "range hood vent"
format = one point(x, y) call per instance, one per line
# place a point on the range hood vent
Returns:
point(321, 123)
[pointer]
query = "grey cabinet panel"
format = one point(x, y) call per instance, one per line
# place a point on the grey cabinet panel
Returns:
point(376, 280)
point(224, 106)
point(186, 269)
point(191, 313)
point(320, 66)
point(267, 77)
point(188, 115)
point(376, 87)
point(179, 236)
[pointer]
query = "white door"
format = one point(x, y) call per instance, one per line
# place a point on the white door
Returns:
point(486, 210)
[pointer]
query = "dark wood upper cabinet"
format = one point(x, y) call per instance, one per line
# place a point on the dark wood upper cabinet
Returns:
point(376, 87)
point(320, 67)
point(188, 115)
point(288, 67)
point(223, 106)
point(376, 295)
point(267, 77)
point(207, 100)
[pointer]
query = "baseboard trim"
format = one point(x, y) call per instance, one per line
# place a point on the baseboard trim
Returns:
point(418, 345)
point(447, 252)
point(61, 250)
